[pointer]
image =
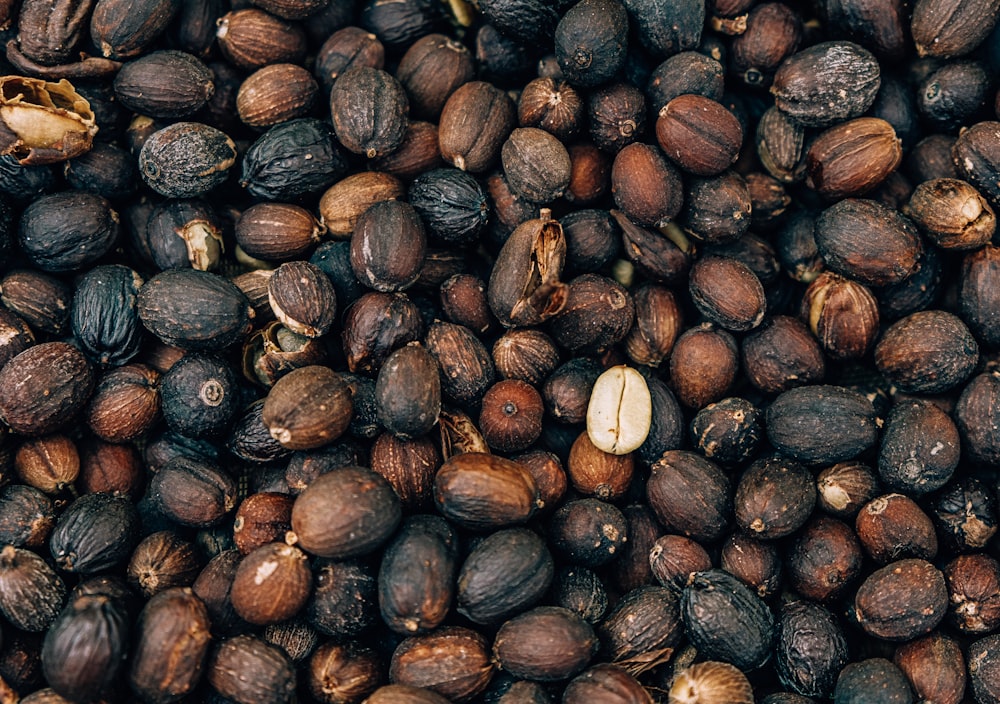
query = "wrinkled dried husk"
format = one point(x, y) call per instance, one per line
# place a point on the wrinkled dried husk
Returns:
point(459, 434)
point(524, 287)
point(43, 122)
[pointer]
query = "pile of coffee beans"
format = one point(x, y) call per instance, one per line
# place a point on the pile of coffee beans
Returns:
point(499, 351)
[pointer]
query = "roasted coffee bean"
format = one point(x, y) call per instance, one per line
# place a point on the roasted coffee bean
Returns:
point(453, 661)
point(581, 590)
point(83, 650)
point(475, 121)
point(607, 683)
point(161, 561)
point(104, 316)
point(481, 491)
point(31, 593)
point(644, 627)
point(164, 84)
point(891, 527)
point(699, 134)
point(859, 680)
point(811, 85)
point(416, 575)
point(590, 42)
point(774, 498)
point(27, 516)
point(940, 352)
point(839, 232)
point(919, 449)
point(67, 231)
point(811, 649)
point(588, 532)
point(727, 432)
point(918, 601)
point(345, 513)
point(193, 492)
point(955, 33)
point(982, 668)
point(821, 424)
point(665, 29)
point(343, 603)
point(246, 669)
point(546, 644)
point(727, 292)
point(717, 210)
point(413, 413)
point(50, 463)
point(754, 562)
point(645, 185)
point(308, 408)
point(172, 644)
point(186, 159)
point(773, 31)
point(703, 365)
point(343, 673)
point(726, 621)
point(935, 667)
point(271, 584)
point(690, 495)
point(250, 38)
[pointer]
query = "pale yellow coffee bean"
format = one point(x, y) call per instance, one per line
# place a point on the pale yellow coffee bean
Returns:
point(620, 411)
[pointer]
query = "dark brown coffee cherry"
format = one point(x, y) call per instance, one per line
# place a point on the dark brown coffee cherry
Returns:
point(726, 621)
